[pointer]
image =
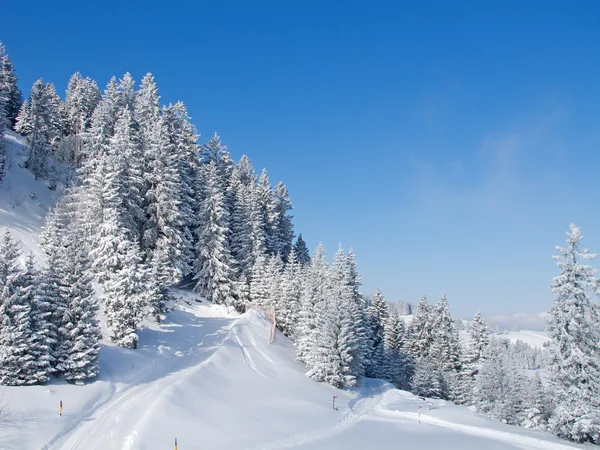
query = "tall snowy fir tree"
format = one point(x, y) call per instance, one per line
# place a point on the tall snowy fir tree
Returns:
point(9, 91)
point(313, 292)
point(445, 347)
point(282, 228)
point(40, 120)
point(574, 329)
point(472, 358)
point(291, 290)
point(213, 265)
point(10, 251)
point(81, 100)
point(420, 332)
point(81, 357)
point(41, 338)
point(377, 316)
point(183, 139)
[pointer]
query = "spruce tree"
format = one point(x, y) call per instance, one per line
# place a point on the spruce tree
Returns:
point(9, 89)
point(17, 360)
point(301, 250)
point(213, 266)
point(574, 330)
point(282, 227)
point(40, 120)
point(377, 315)
point(313, 292)
point(420, 332)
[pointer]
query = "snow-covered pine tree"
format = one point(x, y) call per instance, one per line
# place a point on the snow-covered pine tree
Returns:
point(81, 100)
point(302, 251)
point(471, 359)
point(10, 251)
point(428, 381)
point(289, 301)
point(123, 94)
point(40, 120)
point(274, 270)
point(162, 240)
point(282, 228)
point(265, 211)
point(17, 361)
point(574, 330)
point(314, 287)
point(348, 315)
point(183, 138)
point(500, 386)
point(398, 367)
point(81, 357)
point(40, 327)
point(377, 315)
point(259, 282)
point(9, 89)
point(445, 347)
point(213, 265)
point(126, 296)
point(420, 331)
point(538, 405)
point(242, 182)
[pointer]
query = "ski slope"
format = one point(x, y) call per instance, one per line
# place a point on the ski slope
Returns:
point(211, 380)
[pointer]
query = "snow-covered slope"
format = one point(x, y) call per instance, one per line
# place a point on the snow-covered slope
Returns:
point(24, 201)
point(211, 380)
point(533, 338)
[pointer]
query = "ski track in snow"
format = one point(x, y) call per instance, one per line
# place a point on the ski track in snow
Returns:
point(89, 431)
point(361, 406)
point(520, 440)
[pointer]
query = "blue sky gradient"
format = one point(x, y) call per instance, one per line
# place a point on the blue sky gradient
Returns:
point(449, 143)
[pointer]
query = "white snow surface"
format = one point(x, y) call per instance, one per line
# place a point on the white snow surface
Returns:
point(533, 338)
point(209, 378)
point(24, 201)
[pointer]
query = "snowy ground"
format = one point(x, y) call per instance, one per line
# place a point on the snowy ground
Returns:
point(210, 379)
point(533, 338)
point(24, 201)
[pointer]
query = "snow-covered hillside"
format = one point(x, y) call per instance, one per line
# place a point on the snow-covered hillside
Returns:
point(24, 201)
point(533, 338)
point(212, 381)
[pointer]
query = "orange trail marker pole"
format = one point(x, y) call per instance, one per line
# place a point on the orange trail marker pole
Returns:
point(60, 409)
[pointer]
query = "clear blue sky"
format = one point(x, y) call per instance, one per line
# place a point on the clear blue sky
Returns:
point(449, 143)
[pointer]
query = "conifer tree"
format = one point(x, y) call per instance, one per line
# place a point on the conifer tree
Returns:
point(40, 120)
point(420, 335)
point(282, 227)
point(213, 266)
point(183, 139)
point(574, 329)
point(377, 315)
point(10, 251)
point(41, 338)
point(291, 289)
point(313, 292)
point(81, 358)
point(301, 250)
point(9, 91)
